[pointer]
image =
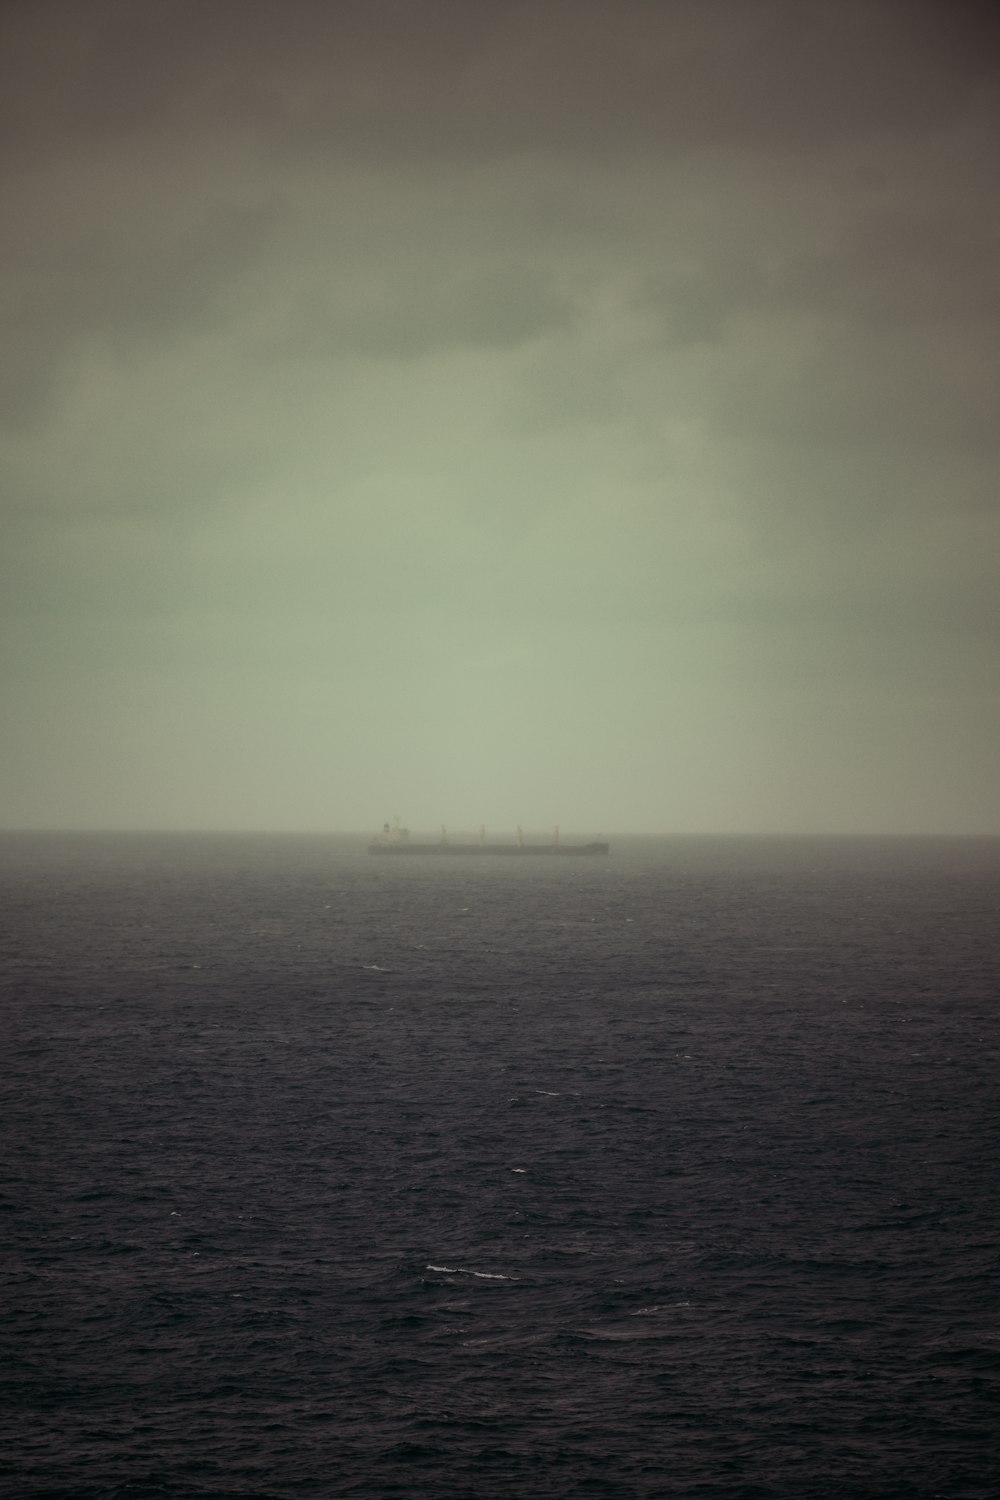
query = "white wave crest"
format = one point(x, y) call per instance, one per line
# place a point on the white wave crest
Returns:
point(464, 1271)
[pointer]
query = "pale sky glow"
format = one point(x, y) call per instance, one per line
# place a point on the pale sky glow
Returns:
point(507, 413)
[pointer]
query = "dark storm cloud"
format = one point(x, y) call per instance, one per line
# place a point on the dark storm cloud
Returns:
point(497, 309)
point(888, 267)
point(132, 273)
point(901, 307)
point(898, 266)
point(452, 82)
point(481, 77)
point(694, 303)
point(912, 392)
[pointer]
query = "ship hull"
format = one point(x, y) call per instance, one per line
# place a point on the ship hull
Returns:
point(404, 846)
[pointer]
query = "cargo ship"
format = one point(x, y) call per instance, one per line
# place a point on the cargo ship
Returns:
point(397, 840)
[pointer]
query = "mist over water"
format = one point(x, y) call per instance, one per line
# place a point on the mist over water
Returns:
point(666, 1174)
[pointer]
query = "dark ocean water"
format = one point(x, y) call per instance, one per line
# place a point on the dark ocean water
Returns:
point(672, 1174)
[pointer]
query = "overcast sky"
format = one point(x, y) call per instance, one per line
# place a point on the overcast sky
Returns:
point(532, 411)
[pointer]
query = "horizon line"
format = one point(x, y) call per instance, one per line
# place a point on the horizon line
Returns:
point(622, 833)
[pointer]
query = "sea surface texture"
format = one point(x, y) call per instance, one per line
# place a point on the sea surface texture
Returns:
point(668, 1174)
